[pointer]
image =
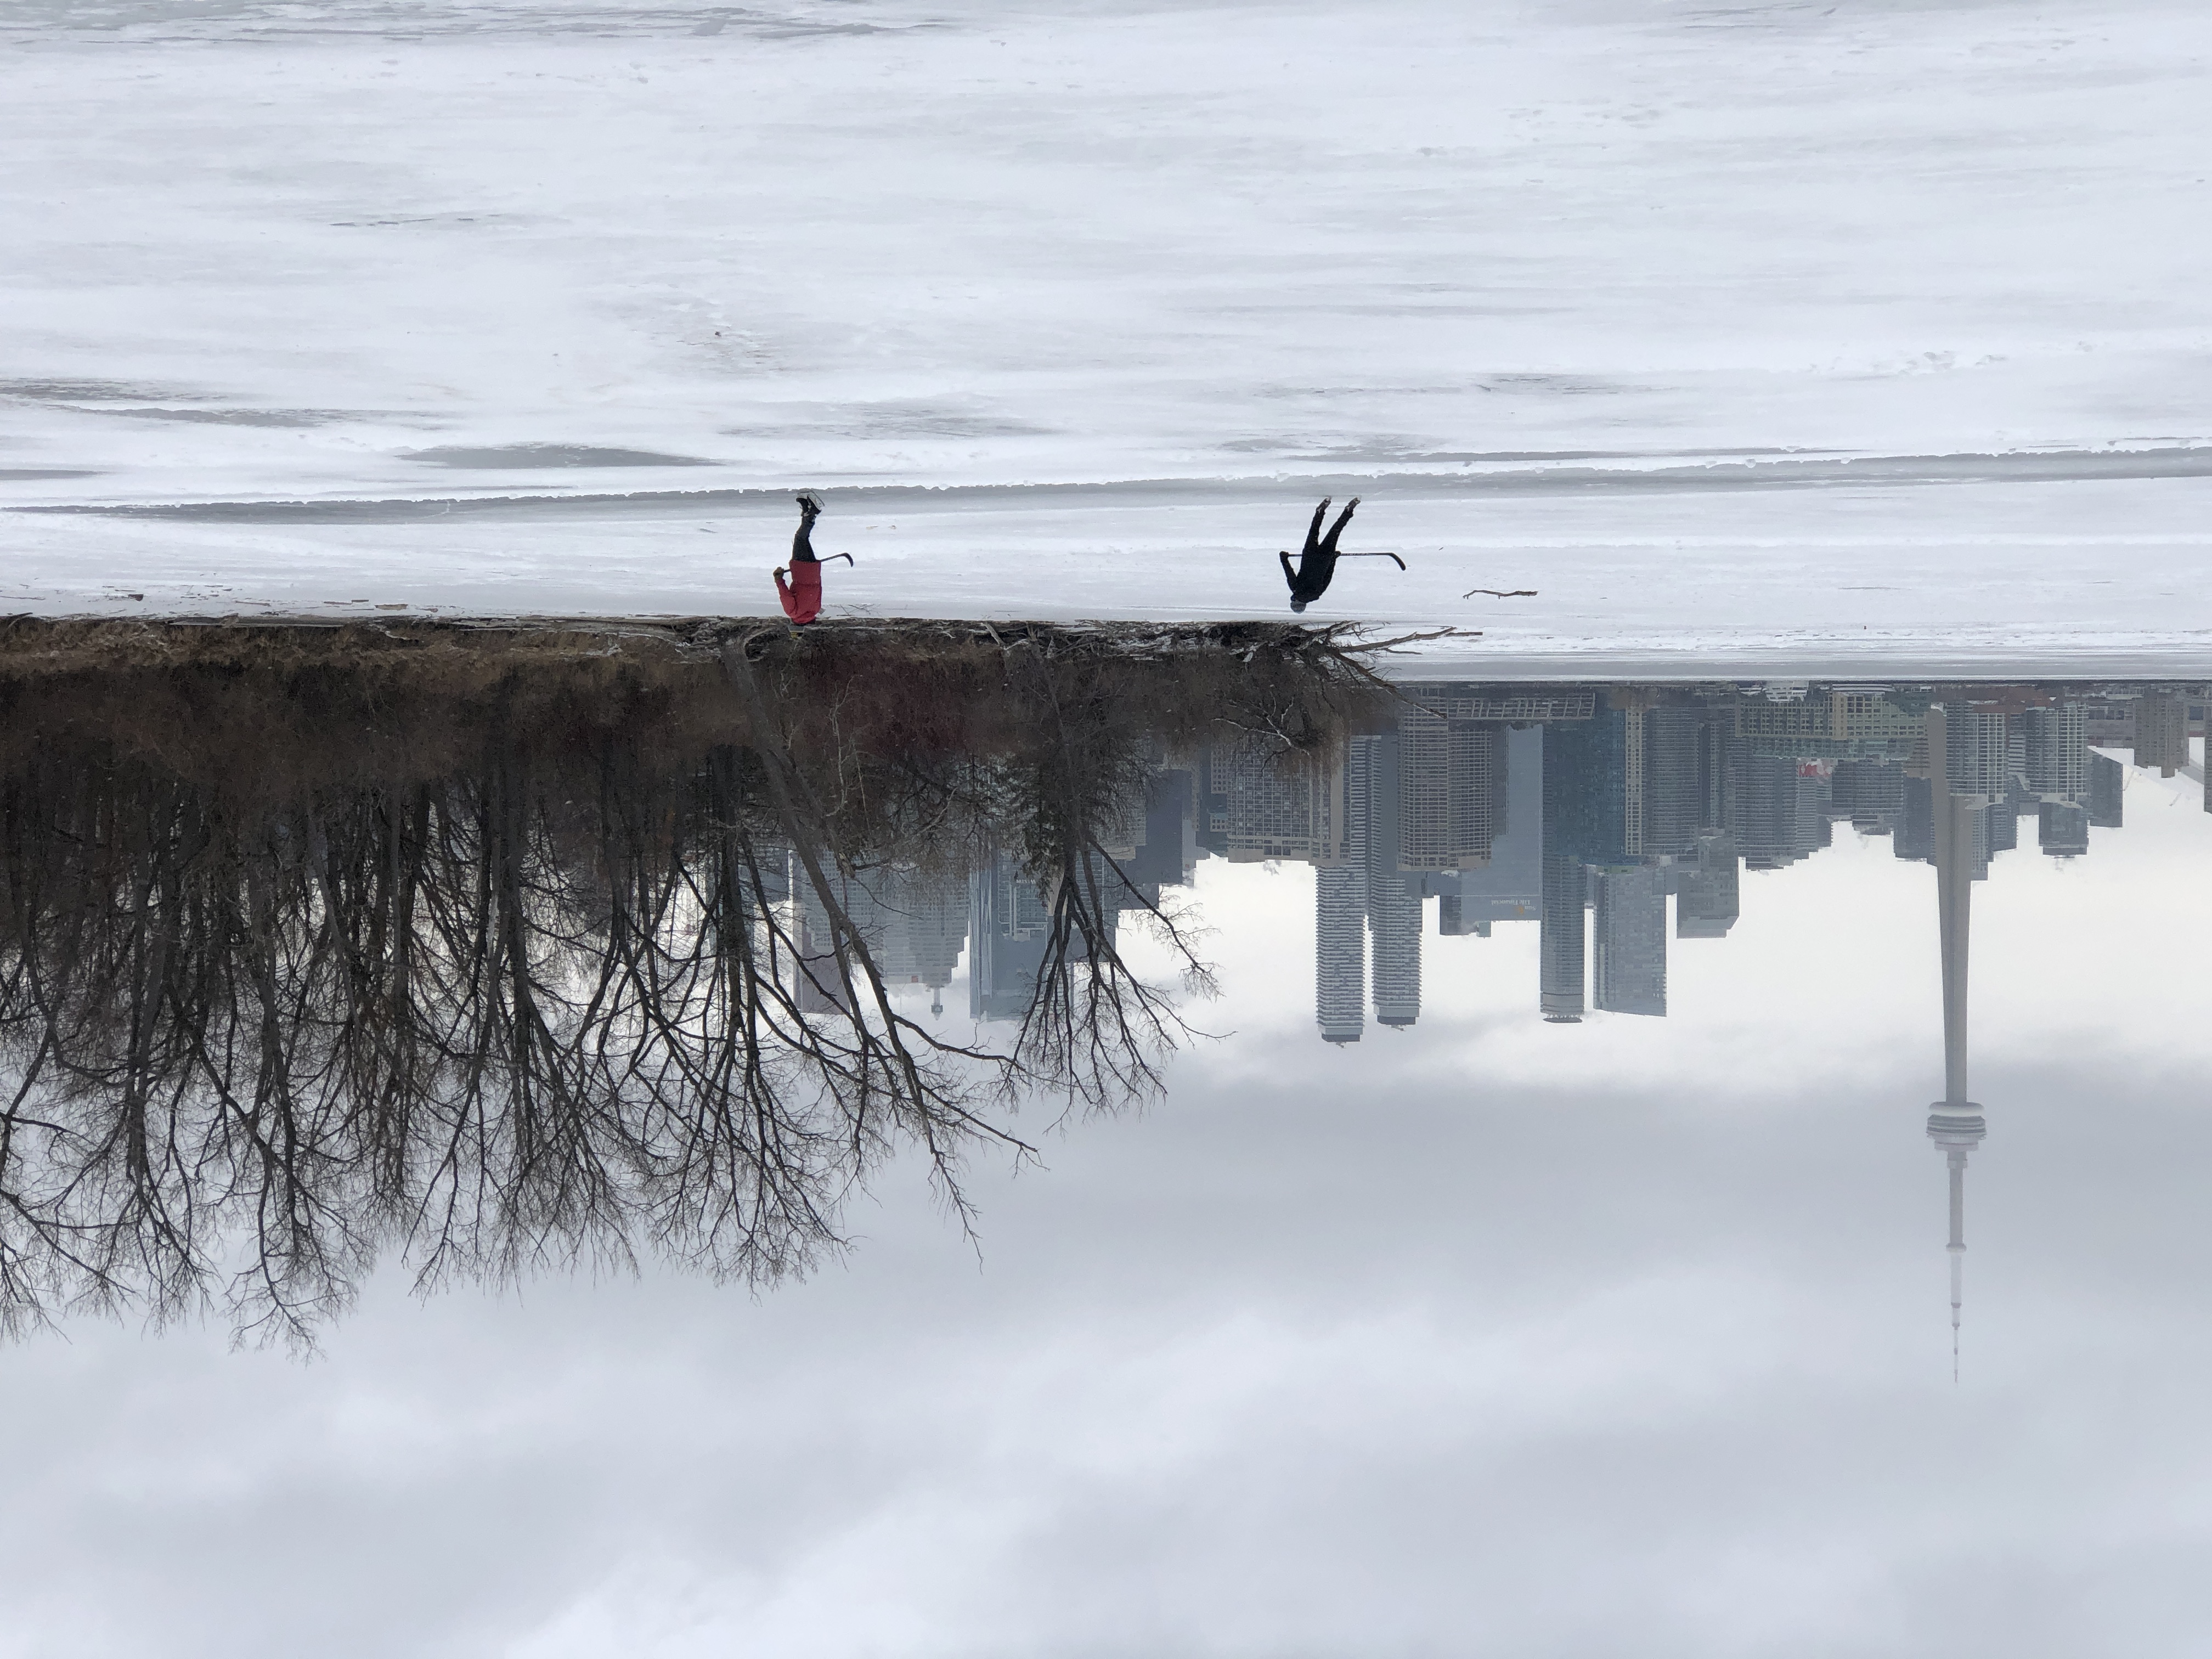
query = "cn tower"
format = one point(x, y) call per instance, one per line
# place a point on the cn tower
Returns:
point(1955, 1123)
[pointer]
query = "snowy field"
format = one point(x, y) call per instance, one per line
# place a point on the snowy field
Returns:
point(1866, 335)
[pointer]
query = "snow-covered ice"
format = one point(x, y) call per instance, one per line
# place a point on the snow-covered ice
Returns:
point(1861, 335)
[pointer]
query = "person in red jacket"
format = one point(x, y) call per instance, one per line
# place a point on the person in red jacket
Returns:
point(802, 595)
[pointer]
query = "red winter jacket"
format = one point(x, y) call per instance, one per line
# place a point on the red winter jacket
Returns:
point(802, 599)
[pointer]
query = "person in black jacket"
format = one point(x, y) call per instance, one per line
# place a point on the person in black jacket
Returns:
point(1316, 563)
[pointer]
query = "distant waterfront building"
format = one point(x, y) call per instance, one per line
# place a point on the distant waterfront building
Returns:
point(1977, 755)
point(1167, 856)
point(1871, 794)
point(2002, 829)
point(2021, 800)
point(2107, 775)
point(2111, 722)
point(2062, 828)
point(1510, 888)
point(2162, 731)
point(1449, 774)
point(1512, 706)
point(924, 921)
point(1270, 806)
point(1846, 722)
point(818, 986)
point(1781, 811)
point(913, 923)
point(1916, 829)
point(1708, 900)
point(2057, 752)
point(1008, 921)
point(1121, 830)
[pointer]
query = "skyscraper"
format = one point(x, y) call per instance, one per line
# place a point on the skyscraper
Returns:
point(1393, 903)
point(1340, 910)
point(1586, 785)
point(1340, 952)
point(1631, 707)
point(1816, 815)
point(1582, 776)
point(1720, 753)
point(1672, 798)
point(1630, 930)
point(1394, 921)
point(1563, 975)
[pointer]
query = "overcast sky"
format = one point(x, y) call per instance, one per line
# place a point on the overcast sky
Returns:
point(1492, 1337)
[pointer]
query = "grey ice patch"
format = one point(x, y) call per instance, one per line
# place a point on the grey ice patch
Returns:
point(1458, 389)
point(28, 474)
point(514, 457)
point(279, 417)
point(158, 20)
point(1763, 15)
point(407, 220)
point(1561, 385)
point(896, 418)
point(92, 392)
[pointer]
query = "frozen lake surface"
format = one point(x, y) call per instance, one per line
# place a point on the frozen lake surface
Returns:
point(1863, 336)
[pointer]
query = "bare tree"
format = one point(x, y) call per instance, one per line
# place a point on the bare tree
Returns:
point(495, 958)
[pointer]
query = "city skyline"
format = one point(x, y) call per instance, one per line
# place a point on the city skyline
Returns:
point(1589, 812)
